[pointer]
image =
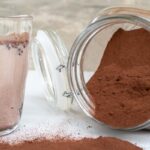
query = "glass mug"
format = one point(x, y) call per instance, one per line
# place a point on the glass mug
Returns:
point(65, 74)
point(15, 33)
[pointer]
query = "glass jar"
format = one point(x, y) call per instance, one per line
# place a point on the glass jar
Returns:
point(15, 33)
point(65, 74)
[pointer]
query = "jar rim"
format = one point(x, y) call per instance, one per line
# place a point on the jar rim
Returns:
point(17, 17)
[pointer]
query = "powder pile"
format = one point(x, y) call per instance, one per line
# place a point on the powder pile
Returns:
point(101, 143)
point(121, 85)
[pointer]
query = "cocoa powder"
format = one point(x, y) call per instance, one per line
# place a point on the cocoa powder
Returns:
point(121, 85)
point(101, 143)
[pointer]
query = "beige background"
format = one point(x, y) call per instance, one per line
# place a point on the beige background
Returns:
point(67, 17)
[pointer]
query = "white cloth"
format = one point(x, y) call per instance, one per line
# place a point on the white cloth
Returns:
point(40, 119)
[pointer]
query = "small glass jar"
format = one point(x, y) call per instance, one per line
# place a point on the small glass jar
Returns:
point(65, 74)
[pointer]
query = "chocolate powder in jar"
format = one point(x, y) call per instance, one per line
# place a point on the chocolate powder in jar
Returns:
point(101, 143)
point(121, 85)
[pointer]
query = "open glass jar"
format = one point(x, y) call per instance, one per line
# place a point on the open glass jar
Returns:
point(65, 74)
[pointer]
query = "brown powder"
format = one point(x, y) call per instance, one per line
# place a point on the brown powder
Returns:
point(101, 143)
point(15, 38)
point(121, 85)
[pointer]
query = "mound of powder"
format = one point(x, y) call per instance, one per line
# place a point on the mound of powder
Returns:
point(101, 143)
point(121, 85)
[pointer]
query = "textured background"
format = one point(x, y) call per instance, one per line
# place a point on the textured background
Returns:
point(67, 17)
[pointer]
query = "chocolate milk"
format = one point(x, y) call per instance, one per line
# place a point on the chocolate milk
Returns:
point(13, 70)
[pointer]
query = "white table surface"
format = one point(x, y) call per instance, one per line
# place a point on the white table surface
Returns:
point(39, 119)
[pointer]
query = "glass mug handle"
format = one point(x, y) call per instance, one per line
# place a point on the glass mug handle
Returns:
point(50, 60)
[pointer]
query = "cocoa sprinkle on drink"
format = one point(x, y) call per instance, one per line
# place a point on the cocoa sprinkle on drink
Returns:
point(15, 41)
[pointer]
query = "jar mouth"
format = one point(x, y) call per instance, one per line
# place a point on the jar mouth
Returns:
point(76, 58)
point(17, 17)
